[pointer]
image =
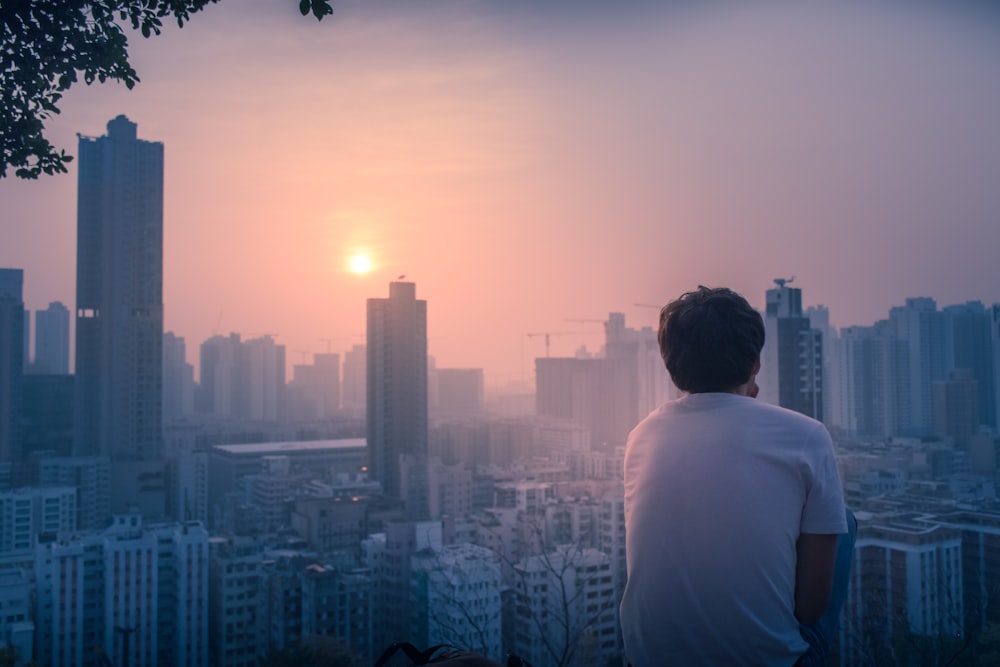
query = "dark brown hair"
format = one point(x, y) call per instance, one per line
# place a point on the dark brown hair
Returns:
point(710, 339)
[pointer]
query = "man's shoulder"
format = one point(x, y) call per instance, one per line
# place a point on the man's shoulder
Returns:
point(719, 408)
point(778, 413)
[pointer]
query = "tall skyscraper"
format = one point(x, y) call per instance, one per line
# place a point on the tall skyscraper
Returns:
point(11, 361)
point(792, 359)
point(397, 396)
point(119, 295)
point(52, 340)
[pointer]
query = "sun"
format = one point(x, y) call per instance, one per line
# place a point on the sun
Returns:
point(361, 264)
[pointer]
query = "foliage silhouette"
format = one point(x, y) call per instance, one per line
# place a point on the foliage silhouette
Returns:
point(47, 46)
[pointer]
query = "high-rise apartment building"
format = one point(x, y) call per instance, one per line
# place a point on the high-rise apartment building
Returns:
point(11, 361)
point(178, 378)
point(994, 324)
point(219, 389)
point(397, 395)
point(128, 595)
point(52, 340)
point(457, 392)
point(919, 326)
point(598, 395)
point(355, 369)
point(967, 345)
point(119, 295)
point(870, 361)
point(791, 372)
point(242, 380)
point(263, 368)
point(956, 406)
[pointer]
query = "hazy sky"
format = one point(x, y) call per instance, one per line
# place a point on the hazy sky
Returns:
point(527, 163)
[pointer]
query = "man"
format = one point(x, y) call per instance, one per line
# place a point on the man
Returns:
point(733, 508)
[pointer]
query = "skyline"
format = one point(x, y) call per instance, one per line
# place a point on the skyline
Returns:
point(540, 177)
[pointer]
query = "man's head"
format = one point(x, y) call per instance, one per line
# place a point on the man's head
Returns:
point(710, 340)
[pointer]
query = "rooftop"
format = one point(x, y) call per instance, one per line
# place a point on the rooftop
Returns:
point(265, 448)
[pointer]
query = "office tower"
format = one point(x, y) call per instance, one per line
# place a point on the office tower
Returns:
point(397, 396)
point(178, 378)
point(119, 295)
point(11, 362)
point(791, 372)
point(52, 340)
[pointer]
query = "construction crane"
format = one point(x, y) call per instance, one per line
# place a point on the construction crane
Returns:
point(647, 305)
point(547, 334)
point(781, 282)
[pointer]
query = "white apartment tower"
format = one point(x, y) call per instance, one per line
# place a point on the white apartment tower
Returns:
point(456, 598)
point(130, 594)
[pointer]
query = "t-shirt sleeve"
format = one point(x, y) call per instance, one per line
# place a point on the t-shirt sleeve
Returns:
point(824, 512)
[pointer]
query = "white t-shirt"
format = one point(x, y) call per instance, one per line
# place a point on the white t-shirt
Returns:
point(718, 488)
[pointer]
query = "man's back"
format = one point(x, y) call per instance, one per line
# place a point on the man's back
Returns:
point(718, 488)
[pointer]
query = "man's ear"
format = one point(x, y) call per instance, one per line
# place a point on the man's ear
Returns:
point(756, 367)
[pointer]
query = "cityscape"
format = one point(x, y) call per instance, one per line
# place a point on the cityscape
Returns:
point(373, 497)
point(334, 332)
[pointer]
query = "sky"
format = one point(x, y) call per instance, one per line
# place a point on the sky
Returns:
point(528, 164)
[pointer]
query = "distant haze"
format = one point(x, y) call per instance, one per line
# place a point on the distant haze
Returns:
point(528, 163)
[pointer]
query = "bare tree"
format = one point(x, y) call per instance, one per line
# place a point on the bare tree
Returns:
point(457, 593)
